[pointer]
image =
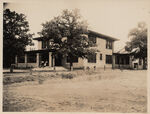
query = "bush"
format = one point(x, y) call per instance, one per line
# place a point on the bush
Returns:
point(68, 76)
point(10, 80)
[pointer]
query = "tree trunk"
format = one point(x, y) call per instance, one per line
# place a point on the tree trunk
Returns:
point(71, 66)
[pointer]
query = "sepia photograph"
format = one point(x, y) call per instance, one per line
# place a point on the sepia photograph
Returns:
point(75, 56)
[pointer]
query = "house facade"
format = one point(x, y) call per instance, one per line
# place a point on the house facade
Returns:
point(101, 59)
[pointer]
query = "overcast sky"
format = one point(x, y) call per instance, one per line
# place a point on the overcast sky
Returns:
point(111, 17)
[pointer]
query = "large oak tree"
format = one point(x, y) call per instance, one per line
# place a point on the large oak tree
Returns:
point(68, 35)
point(16, 36)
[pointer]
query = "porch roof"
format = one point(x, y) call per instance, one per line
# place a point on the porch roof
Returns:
point(39, 51)
point(122, 52)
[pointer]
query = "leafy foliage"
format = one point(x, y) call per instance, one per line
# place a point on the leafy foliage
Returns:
point(15, 36)
point(68, 35)
point(138, 40)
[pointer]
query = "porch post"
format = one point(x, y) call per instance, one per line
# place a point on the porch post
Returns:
point(53, 61)
point(37, 59)
point(113, 61)
point(130, 61)
point(50, 59)
point(16, 59)
point(25, 60)
point(119, 61)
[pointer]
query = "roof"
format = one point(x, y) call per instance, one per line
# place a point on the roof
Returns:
point(135, 50)
point(122, 51)
point(103, 36)
point(39, 51)
point(38, 38)
point(99, 35)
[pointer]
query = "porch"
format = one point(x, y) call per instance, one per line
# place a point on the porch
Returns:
point(37, 58)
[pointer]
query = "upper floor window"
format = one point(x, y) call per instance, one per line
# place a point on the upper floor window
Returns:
point(92, 38)
point(92, 58)
point(45, 44)
point(108, 44)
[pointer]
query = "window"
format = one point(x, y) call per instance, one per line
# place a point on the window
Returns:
point(74, 59)
point(21, 59)
point(108, 59)
point(92, 58)
point(31, 58)
point(92, 38)
point(45, 44)
point(108, 44)
point(101, 57)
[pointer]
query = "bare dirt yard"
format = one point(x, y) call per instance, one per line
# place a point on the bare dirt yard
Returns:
point(99, 91)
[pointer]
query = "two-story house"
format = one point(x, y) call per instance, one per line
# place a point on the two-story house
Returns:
point(101, 59)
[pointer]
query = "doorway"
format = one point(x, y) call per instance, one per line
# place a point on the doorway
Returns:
point(58, 60)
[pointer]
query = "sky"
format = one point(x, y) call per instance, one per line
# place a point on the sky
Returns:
point(114, 18)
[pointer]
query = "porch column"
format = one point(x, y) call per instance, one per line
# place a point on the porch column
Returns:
point(130, 61)
point(50, 59)
point(53, 61)
point(16, 60)
point(37, 59)
point(25, 60)
point(113, 61)
point(119, 61)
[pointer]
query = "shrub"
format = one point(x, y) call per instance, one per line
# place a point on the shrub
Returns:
point(68, 76)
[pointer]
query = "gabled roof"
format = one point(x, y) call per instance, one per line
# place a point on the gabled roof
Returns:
point(102, 35)
point(99, 35)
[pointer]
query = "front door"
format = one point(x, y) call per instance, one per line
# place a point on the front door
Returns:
point(44, 59)
point(58, 60)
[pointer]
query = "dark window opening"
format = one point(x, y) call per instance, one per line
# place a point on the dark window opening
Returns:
point(92, 38)
point(21, 59)
point(45, 44)
point(108, 59)
point(108, 44)
point(31, 58)
point(92, 58)
point(101, 57)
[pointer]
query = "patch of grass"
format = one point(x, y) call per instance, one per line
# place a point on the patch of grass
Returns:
point(10, 80)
